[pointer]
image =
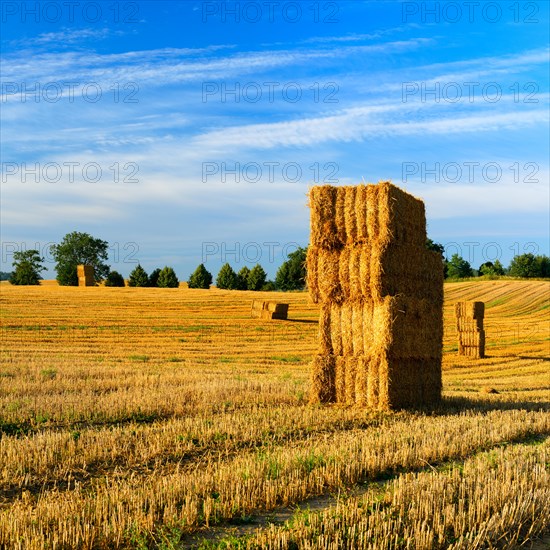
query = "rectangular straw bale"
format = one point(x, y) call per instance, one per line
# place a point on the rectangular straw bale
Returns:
point(346, 323)
point(344, 272)
point(322, 204)
point(357, 328)
point(407, 382)
point(340, 214)
point(355, 287)
point(401, 217)
point(312, 273)
point(322, 382)
point(350, 215)
point(336, 328)
point(361, 380)
point(325, 339)
point(350, 378)
point(85, 274)
point(406, 269)
point(408, 328)
point(340, 379)
point(470, 310)
point(328, 275)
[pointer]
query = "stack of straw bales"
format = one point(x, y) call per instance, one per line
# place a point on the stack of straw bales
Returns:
point(469, 324)
point(381, 296)
point(85, 275)
point(268, 310)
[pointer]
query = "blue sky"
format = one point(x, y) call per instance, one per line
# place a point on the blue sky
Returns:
point(187, 131)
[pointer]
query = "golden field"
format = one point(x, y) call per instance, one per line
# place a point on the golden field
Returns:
point(155, 418)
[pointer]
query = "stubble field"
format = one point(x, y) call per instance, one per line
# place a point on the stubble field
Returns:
point(169, 418)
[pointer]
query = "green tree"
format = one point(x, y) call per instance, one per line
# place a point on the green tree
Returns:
point(292, 273)
point(269, 286)
point(154, 277)
point(79, 248)
point(458, 268)
point(227, 278)
point(256, 278)
point(114, 279)
point(138, 277)
point(529, 265)
point(27, 267)
point(167, 278)
point(242, 278)
point(200, 278)
point(491, 269)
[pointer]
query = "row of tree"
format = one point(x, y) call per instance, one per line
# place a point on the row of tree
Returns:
point(80, 248)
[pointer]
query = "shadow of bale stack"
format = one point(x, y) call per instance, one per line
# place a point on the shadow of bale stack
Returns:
point(381, 296)
point(469, 325)
point(85, 275)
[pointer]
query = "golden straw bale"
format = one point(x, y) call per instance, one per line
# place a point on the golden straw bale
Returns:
point(408, 328)
point(322, 382)
point(470, 310)
point(325, 339)
point(401, 217)
point(407, 382)
point(405, 269)
point(328, 275)
point(322, 203)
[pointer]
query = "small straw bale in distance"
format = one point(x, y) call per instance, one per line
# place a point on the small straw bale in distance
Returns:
point(85, 275)
point(268, 310)
point(381, 295)
point(469, 324)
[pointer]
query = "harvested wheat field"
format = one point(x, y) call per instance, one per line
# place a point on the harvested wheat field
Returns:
point(169, 418)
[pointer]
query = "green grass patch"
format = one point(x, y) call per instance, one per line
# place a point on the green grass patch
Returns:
point(286, 358)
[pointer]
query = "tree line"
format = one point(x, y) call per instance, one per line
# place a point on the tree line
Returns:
point(81, 248)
